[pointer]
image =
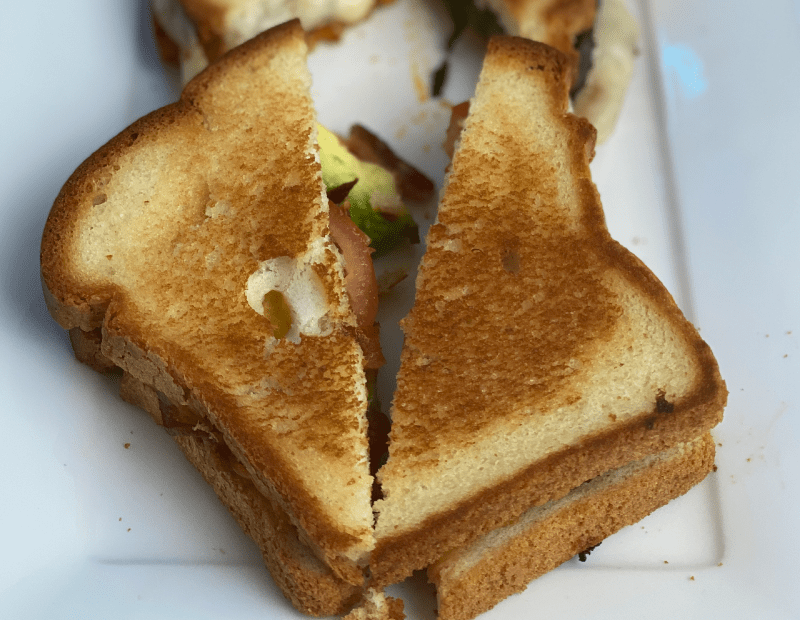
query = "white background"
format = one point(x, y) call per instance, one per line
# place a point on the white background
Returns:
point(700, 180)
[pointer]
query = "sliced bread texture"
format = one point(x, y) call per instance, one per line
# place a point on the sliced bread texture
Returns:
point(158, 255)
point(539, 352)
point(473, 579)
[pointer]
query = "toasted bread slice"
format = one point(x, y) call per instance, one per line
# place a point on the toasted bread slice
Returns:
point(473, 579)
point(539, 352)
point(168, 238)
point(203, 30)
point(307, 582)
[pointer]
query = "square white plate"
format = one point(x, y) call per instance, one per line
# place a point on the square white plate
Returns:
point(101, 515)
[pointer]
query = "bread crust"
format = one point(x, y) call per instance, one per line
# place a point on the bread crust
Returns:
point(267, 431)
point(541, 482)
point(309, 584)
point(445, 408)
point(579, 521)
point(306, 582)
point(209, 19)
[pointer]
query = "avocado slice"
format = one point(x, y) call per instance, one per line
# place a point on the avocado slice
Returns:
point(375, 203)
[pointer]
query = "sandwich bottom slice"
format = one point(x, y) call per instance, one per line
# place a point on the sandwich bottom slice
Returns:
point(307, 582)
point(473, 579)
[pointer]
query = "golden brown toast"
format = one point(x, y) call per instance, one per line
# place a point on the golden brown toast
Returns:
point(306, 581)
point(539, 352)
point(153, 255)
point(472, 580)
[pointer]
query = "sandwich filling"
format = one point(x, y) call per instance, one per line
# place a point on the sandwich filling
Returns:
point(367, 218)
point(375, 204)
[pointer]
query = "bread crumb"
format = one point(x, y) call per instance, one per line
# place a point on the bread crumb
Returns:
point(126, 446)
point(585, 553)
point(665, 562)
point(129, 529)
point(691, 578)
point(720, 564)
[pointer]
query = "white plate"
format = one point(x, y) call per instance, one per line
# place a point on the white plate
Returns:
point(102, 517)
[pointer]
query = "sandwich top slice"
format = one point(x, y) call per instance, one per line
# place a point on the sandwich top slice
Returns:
point(539, 352)
point(194, 250)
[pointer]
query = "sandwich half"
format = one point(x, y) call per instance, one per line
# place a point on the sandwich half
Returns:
point(473, 579)
point(539, 352)
point(194, 253)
